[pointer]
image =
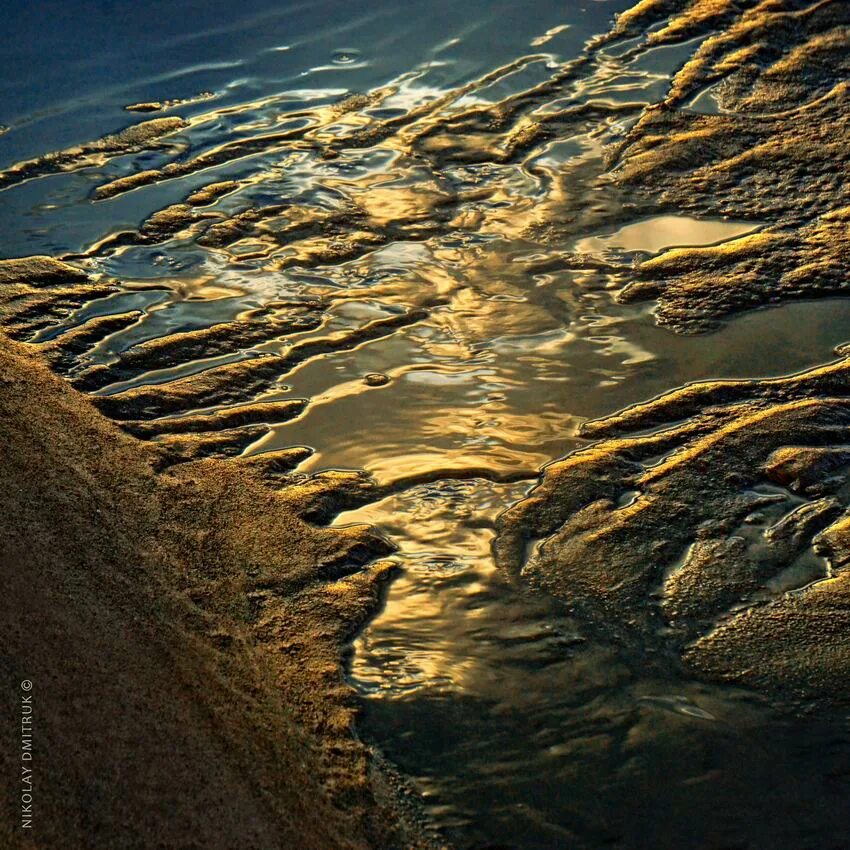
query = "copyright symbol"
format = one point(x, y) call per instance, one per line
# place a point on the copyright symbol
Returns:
point(26, 685)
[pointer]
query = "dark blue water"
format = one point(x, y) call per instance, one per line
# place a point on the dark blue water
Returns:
point(71, 68)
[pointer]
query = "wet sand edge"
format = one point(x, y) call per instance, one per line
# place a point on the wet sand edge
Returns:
point(179, 698)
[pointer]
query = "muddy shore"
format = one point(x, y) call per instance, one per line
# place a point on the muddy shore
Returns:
point(183, 651)
point(209, 316)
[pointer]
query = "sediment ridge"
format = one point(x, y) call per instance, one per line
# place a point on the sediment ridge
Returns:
point(183, 641)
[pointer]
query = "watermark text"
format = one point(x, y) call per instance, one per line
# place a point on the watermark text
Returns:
point(27, 775)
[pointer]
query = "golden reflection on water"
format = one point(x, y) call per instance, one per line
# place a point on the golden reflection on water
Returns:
point(440, 602)
point(666, 231)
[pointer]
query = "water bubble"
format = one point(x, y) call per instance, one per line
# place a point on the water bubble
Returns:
point(345, 56)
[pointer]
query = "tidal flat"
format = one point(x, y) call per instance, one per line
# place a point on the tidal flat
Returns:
point(428, 427)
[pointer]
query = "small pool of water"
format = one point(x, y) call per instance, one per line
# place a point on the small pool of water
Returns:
point(666, 231)
point(451, 405)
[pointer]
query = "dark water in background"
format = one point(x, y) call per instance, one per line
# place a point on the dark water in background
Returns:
point(521, 727)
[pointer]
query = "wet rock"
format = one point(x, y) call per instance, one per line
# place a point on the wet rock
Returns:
point(376, 379)
point(774, 156)
point(697, 481)
point(160, 105)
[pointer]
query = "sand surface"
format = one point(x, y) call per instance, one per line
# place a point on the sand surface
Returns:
point(162, 718)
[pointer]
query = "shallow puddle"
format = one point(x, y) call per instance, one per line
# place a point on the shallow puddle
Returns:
point(666, 231)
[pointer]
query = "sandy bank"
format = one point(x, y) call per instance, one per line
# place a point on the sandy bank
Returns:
point(183, 649)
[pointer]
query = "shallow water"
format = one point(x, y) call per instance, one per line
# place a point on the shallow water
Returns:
point(521, 724)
